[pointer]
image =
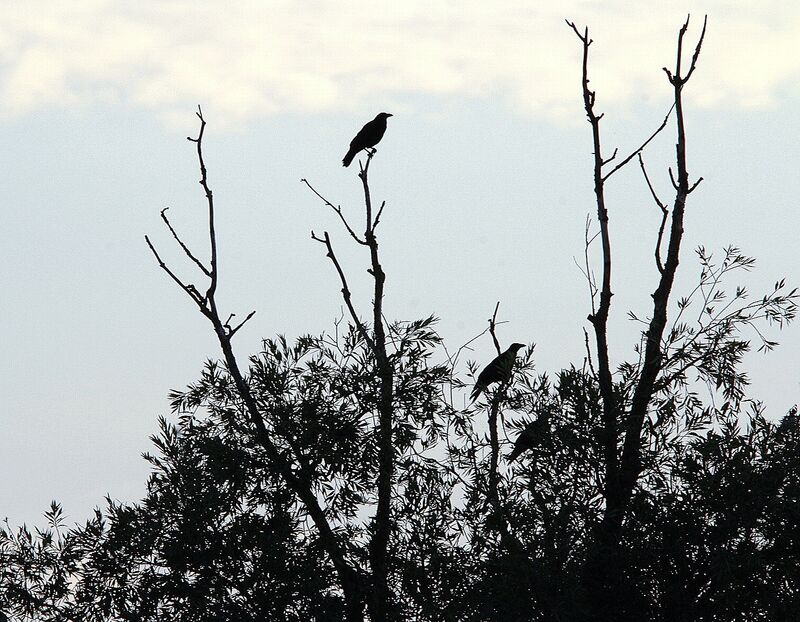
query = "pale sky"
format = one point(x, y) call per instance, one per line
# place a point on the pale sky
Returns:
point(485, 167)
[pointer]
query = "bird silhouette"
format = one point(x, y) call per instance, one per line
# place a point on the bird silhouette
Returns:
point(531, 436)
point(368, 136)
point(499, 370)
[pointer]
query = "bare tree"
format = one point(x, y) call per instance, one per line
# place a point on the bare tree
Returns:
point(622, 423)
point(295, 475)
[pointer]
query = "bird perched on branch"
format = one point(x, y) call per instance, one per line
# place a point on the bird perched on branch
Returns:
point(531, 436)
point(499, 370)
point(368, 136)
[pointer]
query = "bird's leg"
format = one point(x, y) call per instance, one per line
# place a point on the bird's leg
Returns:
point(371, 151)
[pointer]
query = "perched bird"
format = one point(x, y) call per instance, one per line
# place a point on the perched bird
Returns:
point(531, 436)
point(499, 370)
point(369, 136)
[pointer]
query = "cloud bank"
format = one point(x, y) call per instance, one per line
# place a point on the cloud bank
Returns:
point(254, 59)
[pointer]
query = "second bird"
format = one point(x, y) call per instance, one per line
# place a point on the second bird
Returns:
point(369, 136)
point(499, 370)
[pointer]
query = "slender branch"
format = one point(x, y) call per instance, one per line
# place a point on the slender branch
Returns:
point(586, 269)
point(641, 147)
point(664, 215)
point(363, 174)
point(378, 217)
point(212, 234)
point(599, 317)
point(189, 289)
point(588, 352)
point(672, 178)
point(492, 324)
point(235, 329)
point(338, 211)
point(346, 295)
point(694, 185)
point(186, 250)
point(607, 160)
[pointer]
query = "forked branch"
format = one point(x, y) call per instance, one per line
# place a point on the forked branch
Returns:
point(349, 576)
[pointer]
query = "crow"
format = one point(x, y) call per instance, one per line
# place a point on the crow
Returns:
point(530, 436)
point(369, 136)
point(499, 370)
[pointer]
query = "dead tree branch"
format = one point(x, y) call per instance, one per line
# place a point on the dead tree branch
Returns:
point(338, 210)
point(641, 147)
point(349, 576)
point(664, 215)
point(653, 356)
point(599, 318)
point(379, 598)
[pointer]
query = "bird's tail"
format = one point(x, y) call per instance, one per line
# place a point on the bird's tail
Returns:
point(349, 157)
point(515, 454)
point(476, 392)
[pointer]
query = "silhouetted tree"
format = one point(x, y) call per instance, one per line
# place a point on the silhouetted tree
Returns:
point(341, 476)
point(664, 356)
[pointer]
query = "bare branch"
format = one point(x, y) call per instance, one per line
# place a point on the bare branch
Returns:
point(346, 295)
point(696, 54)
point(235, 329)
point(588, 352)
point(677, 79)
point(694, 185)
point(363, 174)
point(653, 361)
point(378, 217)
point(189, 289)
point(492, 324)
point(182, 245)
point(600, 314)
point(664, 214)
point(338, 210)
point(587, 269)
point(607, 160)
point(212, 234)
point(583, 37)
point(641, 147)
point(672, 178)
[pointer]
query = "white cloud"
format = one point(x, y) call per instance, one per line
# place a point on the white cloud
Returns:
point(259, 58)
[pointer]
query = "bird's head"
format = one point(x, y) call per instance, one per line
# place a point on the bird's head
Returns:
point(514, 347)
point(384, 115)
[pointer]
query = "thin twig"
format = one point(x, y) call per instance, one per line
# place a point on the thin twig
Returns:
point(363, 173)
point(346, 295)
point(233, 331)
point(338, 210)
point(587, 270)
point(589, 352)
point(664, 214)
point(189, 289)
point(641, 147)
point(214, 273)
point(182, 245)
point(492, 324)
point(378, 217)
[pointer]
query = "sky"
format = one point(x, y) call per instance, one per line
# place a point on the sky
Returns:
point(485, 168)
